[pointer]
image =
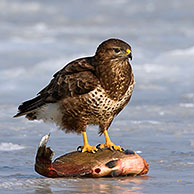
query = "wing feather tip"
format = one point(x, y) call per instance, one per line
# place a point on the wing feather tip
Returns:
point(18, 115)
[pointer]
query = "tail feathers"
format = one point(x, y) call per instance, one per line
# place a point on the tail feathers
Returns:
point(30, 106)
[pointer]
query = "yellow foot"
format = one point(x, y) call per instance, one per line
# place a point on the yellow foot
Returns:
point(111, 146)
point(88, 148)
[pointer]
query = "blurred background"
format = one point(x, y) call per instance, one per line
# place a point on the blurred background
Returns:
point(37, 38)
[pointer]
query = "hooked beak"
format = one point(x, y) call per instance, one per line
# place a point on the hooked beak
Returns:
point(127, 54)
point(130, 55)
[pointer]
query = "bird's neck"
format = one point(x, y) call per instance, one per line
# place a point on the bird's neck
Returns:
point(115, 77)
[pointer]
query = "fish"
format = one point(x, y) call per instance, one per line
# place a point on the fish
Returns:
point(104, 163)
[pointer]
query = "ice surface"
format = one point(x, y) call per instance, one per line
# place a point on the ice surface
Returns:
point(4, 146)
point(37, 38)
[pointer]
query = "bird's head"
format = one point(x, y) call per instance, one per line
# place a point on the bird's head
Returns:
point(114, 49)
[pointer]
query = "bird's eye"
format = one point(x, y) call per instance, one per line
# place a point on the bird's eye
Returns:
point(116, 50)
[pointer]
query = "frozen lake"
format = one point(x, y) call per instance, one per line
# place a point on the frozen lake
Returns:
point(37, 38)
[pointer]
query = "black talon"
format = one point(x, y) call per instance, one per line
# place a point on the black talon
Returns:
point(79, 148)
point(98, 147)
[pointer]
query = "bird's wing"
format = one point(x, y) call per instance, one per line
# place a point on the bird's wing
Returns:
point(77, 78)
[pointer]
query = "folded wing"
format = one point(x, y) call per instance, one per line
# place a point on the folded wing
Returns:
point(77, 78)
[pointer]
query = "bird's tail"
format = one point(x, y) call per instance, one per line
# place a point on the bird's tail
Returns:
point(30, 106)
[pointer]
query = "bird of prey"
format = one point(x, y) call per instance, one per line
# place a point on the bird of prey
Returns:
point(87, 91)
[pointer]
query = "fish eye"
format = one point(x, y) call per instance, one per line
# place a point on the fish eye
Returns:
point(116, 50)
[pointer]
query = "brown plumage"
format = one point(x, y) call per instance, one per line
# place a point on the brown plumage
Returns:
point(90, 90)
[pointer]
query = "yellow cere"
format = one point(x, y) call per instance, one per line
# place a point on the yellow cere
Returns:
point(128, 51)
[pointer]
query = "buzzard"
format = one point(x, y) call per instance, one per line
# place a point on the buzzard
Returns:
point(87, 91)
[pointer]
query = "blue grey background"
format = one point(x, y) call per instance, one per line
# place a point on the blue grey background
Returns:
point(37, 38)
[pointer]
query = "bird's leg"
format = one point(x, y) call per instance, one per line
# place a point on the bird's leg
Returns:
point(109, 144)
point(86, 147)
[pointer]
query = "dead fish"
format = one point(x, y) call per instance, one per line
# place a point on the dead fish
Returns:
point(103, 163)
